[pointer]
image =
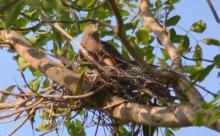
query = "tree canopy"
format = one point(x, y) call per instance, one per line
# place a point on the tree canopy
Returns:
point(116, 64)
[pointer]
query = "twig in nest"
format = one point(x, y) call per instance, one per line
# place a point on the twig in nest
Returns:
point(114, 104)
point(21, 123)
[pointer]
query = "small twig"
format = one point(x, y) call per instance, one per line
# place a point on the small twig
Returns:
point(21, 123)
point(97, 126)
point(23, 29)
point(206, 90)
point(64, 97)
point(166, 15)
point(187, 58)
point(5, 45)
point(213, 11)
point(114, 104)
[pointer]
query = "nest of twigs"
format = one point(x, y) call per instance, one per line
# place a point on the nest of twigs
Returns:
point(133, 84)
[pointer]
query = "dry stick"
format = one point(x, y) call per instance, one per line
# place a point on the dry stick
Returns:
point(84, 51)
point(213, 11)
point(21, 123)
point(65, 97)
point(114, 104)
point(21, 110)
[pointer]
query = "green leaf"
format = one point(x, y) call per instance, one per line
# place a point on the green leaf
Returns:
point(168, 2)
point(12, 15)
point(4, 97)
point(76, 128)
point(22, 64)
point(184, 44)
point(168, 132)
point(192, 68)
point(202, 74)
point(44, 115)
point(45, 127)
point(211, 41)
point(214, 118)
point(199, 26)
point(158, 4)
point(142, 35)
point(35, 72)
point(217, 60)
point(123, 131)
point(165, 54)
point(35, 84)
point(80, 83)
point(198, 55)
point(163, 63)
point(46, 83)
point(173, 20)
point(199, 119)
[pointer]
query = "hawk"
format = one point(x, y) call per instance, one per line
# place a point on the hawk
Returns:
point(103, 52)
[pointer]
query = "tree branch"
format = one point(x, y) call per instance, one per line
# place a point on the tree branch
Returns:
point(40, 60)
point(194, 96)
point(213, 11)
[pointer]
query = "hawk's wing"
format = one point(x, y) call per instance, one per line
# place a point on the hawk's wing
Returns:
point(114, 54)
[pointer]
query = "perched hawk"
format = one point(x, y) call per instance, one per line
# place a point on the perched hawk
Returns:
point(103, 52)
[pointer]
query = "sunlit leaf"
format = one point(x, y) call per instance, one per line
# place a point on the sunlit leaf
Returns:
point(46, 83)
point(4, 97)
point(142, 35)
point(158, 4)
point(184, 44)
point(45, 127)
point(80, 83)
point(199, 26)
point(217, 60)
point(22, 64)
point(202, 74)
point(198, 55)
point(35, 84)
point(211, 41)
point(168, 132)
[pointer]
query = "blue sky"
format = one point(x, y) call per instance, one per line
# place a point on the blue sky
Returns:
point(190, 11)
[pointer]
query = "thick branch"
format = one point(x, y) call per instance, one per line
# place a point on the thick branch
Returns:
point(40, 61)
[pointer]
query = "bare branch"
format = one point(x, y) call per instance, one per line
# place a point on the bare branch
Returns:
point(21, 123)
point(64, 97)
point(213, 11)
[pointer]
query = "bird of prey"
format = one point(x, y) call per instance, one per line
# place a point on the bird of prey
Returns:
point(103, 52)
